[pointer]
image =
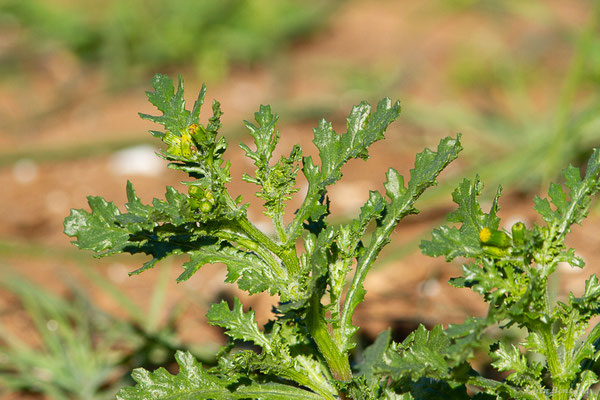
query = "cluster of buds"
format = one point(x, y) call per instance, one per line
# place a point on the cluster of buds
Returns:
point(201, 198)
point(497, 243)
point(186, 143)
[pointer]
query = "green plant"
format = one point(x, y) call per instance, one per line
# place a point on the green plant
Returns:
point(72, 349)
point(305, 352)
point(511, 271)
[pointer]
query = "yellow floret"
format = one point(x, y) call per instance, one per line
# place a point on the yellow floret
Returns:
point(485, 234)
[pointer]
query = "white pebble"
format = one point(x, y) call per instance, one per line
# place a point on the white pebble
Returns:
point(52, 325)
point(430, 288)
point(25, 171)
point(138, 160)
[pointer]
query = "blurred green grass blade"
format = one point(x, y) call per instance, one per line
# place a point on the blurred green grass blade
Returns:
point(134, 312)
point(572, 83)
point(69, 362)
point(158, 298)
point(11, 248)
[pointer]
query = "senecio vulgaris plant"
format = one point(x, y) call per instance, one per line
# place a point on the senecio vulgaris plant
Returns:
point(305, 351)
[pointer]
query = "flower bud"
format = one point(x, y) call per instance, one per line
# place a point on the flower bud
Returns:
point(195, 191)
point(518, 233)
point(493, 251)
point(205, 207)
point(186, 145)
point(494, 238)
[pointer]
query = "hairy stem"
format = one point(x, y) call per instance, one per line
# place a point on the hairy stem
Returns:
point(560, 386)
point(337, 361)
point(289, 260)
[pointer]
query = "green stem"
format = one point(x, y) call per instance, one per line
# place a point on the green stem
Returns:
point(317, 326)
point(560, 386)
point(293, 229)
point(305, 380)
point(279, 227)
point(266, 247)
point(289, 258)
point(380, 239)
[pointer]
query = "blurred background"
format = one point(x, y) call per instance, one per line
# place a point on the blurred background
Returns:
point(520, 81)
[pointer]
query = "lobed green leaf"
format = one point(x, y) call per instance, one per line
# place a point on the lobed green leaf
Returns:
point(97, 230)
point(172, 104)
point(193, 382)
point(373, 356)
point(363, 129)
point(523, 372)
point(573, 210)
point(277, 181)
point(238, 325)
point(428, 166)
point(452, 242)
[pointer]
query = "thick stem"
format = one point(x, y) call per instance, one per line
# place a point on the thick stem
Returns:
point(288, 258)
point(317, 326)
point(560, 386)
point(264, 244)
